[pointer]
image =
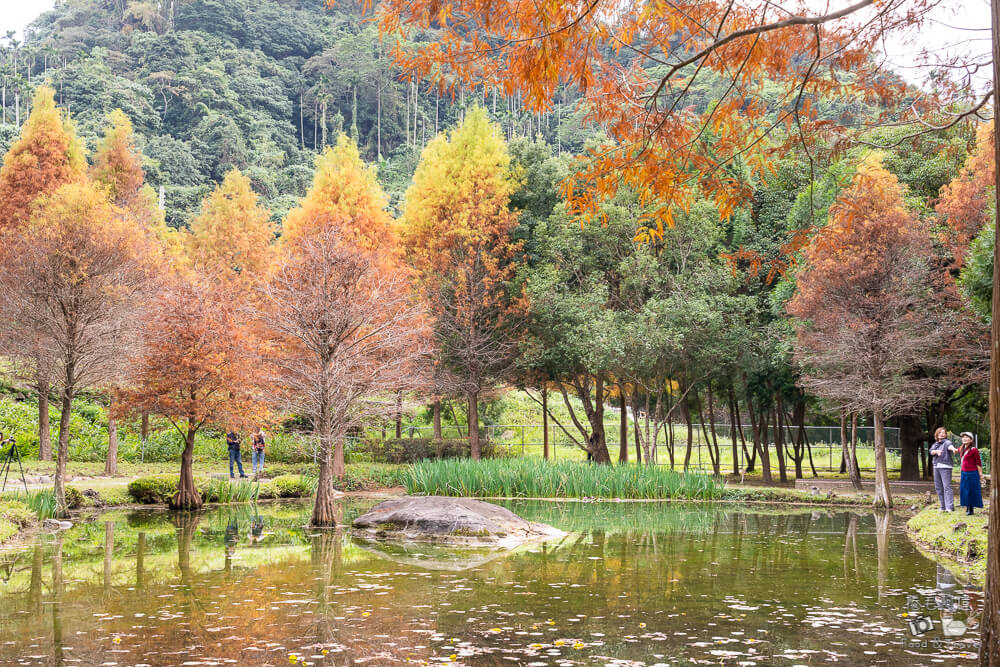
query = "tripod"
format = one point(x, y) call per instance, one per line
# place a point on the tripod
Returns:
point(8, 460)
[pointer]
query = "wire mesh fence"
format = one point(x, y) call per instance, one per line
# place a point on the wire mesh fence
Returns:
point(820, 448)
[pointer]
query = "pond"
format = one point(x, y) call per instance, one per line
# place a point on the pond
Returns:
point(632, 584)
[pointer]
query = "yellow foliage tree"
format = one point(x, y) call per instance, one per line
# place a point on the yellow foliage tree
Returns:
point(233, 235)
point(457, 234)
point(345, 192)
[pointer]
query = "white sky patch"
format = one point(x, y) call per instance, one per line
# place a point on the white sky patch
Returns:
point(15, 14)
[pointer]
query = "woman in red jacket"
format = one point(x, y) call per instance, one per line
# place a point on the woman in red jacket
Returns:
point(970, 489)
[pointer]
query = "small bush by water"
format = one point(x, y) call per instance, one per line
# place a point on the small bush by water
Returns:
point(527, 478)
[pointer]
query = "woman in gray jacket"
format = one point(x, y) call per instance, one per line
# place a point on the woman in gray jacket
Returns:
point(942, 451)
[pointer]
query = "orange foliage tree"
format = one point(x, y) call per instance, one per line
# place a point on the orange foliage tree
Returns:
point(966, 203)
point(192, 367)
point(634, 65)
point(47, 155)
point(82, 274)
point(344, 193)
point(344, 329)
point(342, 322)
point(867, 318)
point(457, 234)
point(233, 236)
point(117, 166)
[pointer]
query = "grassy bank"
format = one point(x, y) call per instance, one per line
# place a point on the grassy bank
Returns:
point(14, 517)
point(955, 535)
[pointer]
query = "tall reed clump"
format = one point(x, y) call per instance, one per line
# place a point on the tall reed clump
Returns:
point(40, 501)
point(532, 478)
point(224, 491)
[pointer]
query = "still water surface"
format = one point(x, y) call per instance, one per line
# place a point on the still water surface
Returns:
point(632, 584)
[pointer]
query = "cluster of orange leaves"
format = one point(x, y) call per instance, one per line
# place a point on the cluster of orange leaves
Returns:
point(659, 145)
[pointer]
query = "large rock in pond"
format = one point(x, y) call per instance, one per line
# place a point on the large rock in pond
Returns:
point(452, 521)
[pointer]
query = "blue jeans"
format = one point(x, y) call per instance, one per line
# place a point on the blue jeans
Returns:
point(234, 455)
point(257, 458)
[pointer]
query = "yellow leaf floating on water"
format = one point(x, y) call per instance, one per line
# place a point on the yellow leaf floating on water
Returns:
point(117, 640)
point(559, 642)
point(578, 645)
point(642, 625)
point(495, 630)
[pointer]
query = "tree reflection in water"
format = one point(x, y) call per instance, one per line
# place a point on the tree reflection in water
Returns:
point(629, 582)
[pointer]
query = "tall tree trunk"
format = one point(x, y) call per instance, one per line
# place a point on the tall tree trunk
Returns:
point(623, 429)
point(732, 428)
point(436, 410)
point(882, 495)
point(779, 438)
point(717, 464)
point(187, 497)
point(338, 457)
point(44, 428)
point(597, 444)
point(144, 426)
point(399, 415)
point(989, 645)
point(545, 401)
point(686, 414)
point(846, 451)
point(910, 435)
point(765, 448)
point(62, 455)
point(474, 425)
point(111, 460)
point(855, 470)
point(324, 511)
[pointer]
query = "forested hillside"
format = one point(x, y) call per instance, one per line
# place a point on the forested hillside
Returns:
point(261, 86)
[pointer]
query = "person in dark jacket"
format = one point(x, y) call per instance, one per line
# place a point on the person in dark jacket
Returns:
point(970, 490)
point(233, 442)
point(942, 451)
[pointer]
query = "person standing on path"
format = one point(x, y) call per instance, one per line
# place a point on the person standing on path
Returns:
point(233, 442)
point(257, 451)
point(970, 490)
point(942, 451)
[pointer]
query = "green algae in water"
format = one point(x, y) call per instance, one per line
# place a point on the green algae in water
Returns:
point(632, 583)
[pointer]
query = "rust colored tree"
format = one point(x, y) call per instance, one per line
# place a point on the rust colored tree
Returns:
point(46, 156)
point(866, 316)
point(193, 367)
point(82, 275)
point(457, 234)
point(344, 329)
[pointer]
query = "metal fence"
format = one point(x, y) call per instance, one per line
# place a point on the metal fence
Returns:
point(821, 451)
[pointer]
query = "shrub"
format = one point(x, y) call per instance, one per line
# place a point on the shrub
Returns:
point(292, 486)
point(371, 476)
point(154, 489)
point(17, 513)
point(411, 450)
point(74, 498)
